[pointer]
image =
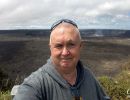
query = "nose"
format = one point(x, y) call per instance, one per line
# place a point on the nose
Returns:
point(65, 51)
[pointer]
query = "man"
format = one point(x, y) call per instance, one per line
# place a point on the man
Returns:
point(63, 77)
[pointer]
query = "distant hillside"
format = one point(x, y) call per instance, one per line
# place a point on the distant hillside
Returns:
point(105, 33)
point(26, 32)
point(84, 32)
point(126, 34)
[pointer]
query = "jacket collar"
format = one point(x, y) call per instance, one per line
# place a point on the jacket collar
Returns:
point(50, 69)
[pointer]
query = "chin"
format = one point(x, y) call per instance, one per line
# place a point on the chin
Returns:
point(66, 65)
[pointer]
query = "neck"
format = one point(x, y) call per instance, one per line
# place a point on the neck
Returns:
point(70, 77)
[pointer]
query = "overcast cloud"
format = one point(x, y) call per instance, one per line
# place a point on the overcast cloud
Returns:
point(15, 14)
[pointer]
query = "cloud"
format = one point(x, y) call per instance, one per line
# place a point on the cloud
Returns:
point(42, 13)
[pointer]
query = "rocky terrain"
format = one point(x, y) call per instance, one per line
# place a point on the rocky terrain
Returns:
point(20, 55)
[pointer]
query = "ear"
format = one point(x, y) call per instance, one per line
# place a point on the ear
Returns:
point(81, 44)
point(49, 46)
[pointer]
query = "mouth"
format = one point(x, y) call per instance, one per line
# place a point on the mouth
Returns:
point(66, 59)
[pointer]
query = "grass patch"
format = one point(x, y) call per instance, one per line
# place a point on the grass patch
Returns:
point(117, 86)
point(5, 95)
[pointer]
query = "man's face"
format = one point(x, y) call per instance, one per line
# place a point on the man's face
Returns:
point(65, 47)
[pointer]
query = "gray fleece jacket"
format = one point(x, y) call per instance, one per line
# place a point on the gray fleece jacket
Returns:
point(47, 84)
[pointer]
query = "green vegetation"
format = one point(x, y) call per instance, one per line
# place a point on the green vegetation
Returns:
point(5, 95)
point(116, 88)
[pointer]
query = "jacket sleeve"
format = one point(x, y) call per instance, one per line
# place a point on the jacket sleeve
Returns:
point(30, 89)
point(26, 92)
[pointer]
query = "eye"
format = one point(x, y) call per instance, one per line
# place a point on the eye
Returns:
point(71, 45)
point(58, 46)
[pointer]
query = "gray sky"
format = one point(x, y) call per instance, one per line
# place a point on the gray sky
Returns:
point(17, 14)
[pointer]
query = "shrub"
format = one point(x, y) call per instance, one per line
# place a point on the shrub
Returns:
point(5, 95)
point(116, 87)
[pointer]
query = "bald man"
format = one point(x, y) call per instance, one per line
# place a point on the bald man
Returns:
point(63, 77)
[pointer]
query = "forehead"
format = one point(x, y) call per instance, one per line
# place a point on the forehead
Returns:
point(65, 32)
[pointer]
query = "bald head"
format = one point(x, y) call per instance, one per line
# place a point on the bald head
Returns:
point(65, 29)
point(65, 46)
